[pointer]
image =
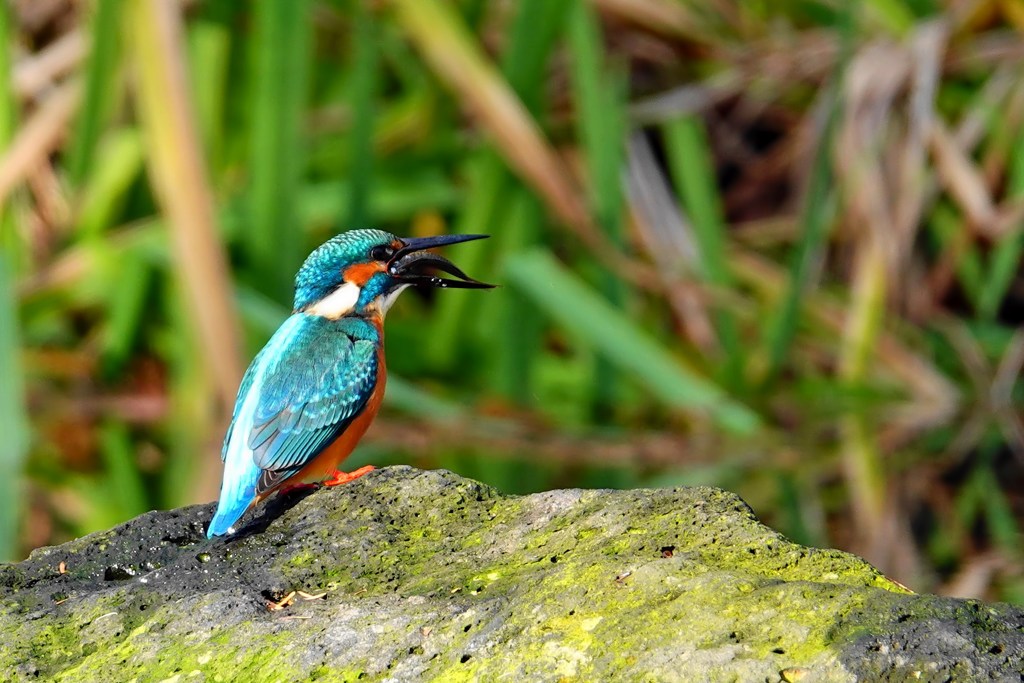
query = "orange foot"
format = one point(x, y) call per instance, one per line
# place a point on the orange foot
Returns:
point(339, 477)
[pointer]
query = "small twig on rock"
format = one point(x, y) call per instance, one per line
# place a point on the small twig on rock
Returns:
point(282, 603)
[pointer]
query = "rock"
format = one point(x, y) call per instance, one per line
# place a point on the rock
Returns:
point(413, 575)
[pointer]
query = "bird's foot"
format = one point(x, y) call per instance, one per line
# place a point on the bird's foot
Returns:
point(338, 477)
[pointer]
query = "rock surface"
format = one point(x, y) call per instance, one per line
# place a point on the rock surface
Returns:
point(428, 576)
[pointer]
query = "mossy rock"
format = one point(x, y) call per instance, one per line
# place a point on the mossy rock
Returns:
point(413, 575)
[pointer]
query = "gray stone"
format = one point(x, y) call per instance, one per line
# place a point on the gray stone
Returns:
point(413, 575)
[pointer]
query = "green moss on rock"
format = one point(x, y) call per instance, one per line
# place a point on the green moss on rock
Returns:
point(428, 576)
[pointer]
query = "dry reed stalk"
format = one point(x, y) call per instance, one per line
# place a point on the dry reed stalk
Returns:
point(37, 72)
point(961, 178)
point(38, 137)
point(660, 16)
point(179, 176)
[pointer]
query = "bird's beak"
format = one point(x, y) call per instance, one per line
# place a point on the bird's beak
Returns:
point(413, 263)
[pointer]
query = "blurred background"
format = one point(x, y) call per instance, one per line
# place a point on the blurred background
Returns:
point(772, 246)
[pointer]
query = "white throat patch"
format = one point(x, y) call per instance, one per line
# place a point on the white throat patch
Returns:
point(338, 303)
point(385, 302)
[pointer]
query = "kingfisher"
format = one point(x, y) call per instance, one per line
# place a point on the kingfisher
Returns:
point(310, 394)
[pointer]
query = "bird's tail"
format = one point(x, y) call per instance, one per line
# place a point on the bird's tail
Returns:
point(236, 495)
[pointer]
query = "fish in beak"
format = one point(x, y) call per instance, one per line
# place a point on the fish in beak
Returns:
point(415, 264)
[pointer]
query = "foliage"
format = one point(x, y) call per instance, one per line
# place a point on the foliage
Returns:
point(769, 246)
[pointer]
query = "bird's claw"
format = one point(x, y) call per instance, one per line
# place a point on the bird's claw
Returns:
point(338, 477)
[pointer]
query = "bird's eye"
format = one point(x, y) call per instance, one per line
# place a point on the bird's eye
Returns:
point(382, 252)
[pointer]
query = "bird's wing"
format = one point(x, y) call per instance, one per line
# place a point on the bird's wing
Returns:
point(243, 391)
point(309, 394)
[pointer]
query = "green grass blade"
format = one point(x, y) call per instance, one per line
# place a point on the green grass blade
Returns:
point(408, 398)
point(209, 42)
point(120, 162)
point(365, 69)
point(1004, 262)
point(192, 470)
point(862, 455)
point(575, 306)
point(693, 170)
point(14, 429)
point(8, 109)
point(689, 158)
point(817, 216)
point(13, 417)
point(600, 116)
point(600, 109)
point(391, 199)
point(123, 477)
point(792, 504)
point(1002, 523)
point(125, 316)
point(514, 362)
point(100, 86)
point(535, 29)
point(894, 15)
point(282, 52)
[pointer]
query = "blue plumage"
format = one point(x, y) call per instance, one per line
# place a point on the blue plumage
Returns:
point(328, 374)
point(298, 395)
point(319, 371)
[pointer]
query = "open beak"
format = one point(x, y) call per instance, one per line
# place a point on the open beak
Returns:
point(415, 265)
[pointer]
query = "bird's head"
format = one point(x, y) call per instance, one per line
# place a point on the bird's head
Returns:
point(362, 272)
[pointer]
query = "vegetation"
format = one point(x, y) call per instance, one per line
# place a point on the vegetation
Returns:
point(770, 246)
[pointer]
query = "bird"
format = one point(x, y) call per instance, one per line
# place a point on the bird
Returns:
point(309, 395)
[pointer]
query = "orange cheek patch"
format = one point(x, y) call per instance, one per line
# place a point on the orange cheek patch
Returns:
point(360, 273)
